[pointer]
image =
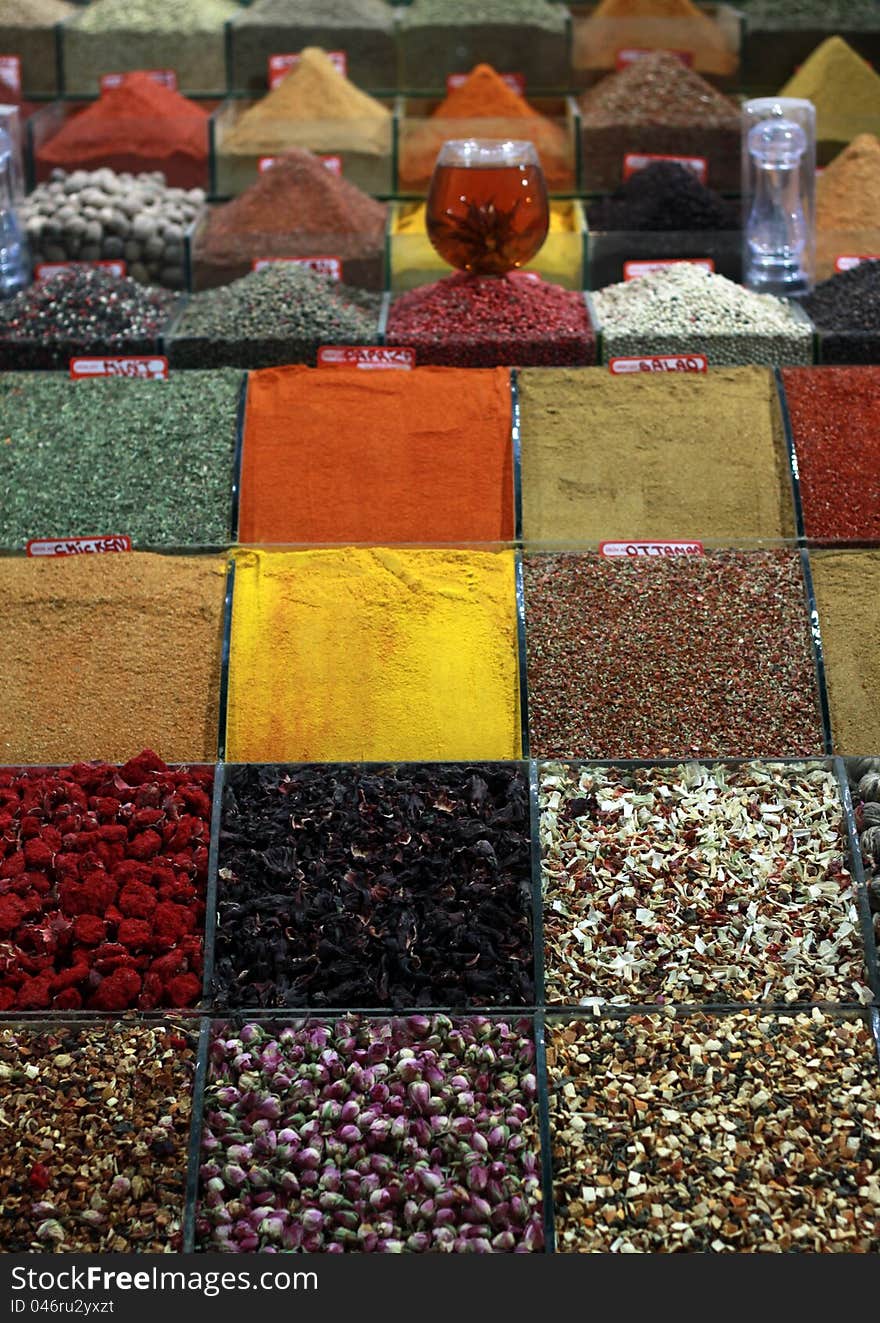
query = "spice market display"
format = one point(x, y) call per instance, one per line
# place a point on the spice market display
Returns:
point(439, 554)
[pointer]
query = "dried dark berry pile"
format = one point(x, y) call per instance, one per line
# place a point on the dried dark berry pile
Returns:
point(102, 885)
point(365, 886)
point(663, 196)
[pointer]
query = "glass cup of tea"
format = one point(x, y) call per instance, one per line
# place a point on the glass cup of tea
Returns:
point(487, 205)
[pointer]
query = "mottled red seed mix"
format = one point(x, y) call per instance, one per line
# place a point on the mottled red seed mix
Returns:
point(835, 418)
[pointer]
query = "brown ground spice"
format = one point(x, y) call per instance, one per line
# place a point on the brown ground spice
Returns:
point(847, 585)
point(101, 656)
point(654, 456)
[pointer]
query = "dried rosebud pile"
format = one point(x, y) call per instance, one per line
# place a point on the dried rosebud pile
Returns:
point(374, 886)
point(102, 885)
point(715, 1134)
point(380, 1136)
point(864, 783)
point(93, 1145)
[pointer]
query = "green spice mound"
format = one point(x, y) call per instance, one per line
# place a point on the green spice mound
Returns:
point(537, 13)
point(826, 15)
point(280, 314)
point(168, 16)
point(174, 486)
point(329, 13)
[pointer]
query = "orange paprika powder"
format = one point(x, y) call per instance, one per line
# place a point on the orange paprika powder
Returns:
point(346, 455)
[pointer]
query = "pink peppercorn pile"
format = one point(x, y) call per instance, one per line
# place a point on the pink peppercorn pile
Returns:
point(493, 321)
point(102, 885)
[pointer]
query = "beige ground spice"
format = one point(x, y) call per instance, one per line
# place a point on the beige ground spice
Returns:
point(847, 585)
point(102, 656)
point(662, 455)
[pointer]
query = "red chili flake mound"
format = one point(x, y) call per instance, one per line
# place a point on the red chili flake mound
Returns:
point(493, 321)
point(835, 419)
point(103, 872)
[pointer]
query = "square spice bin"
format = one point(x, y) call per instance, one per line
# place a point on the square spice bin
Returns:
point(37, 46)
point(435, 631)
point(489, 321)
point(396, 1078)
point(694, 883)
point(32, 346)
point(366, 148)
point(368, 885)
point(709, 43)
point(361, 257)
point(103, 655)
point(411, 456)
point(174, 486)
point(119, 926)
point(182, 169)
point(794, 345)
point(412, 259)
point(262, 30)
point(539, 51)
point(737, 1132)
point(196, 57)
point(775, 47)
point(97, 1127)
point(656, 656)
point(842, 347)
point(700, 455)
point(846, 582)
point(421, 134)
point(615, 255)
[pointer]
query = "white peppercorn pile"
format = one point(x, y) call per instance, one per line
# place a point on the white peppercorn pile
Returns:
point(715, 1134)
point(95, 215)
point(278, 315)
point(698, 884)
point(864, 783)
point(688, 309)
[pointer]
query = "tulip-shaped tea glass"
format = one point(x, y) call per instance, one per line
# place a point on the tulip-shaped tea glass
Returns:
point(487, 205)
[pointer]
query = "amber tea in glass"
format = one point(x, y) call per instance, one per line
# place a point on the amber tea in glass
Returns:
point(487, 207)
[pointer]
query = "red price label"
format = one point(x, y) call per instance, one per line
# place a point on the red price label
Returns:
point(366, 356)
point(10, 78)
point(634, 161)
point(620, 367)
point(281, 65)
point(632, 270)
point(515, 81)
point(136, 366)
point(332, 163)
point(629, 54)
point(328, 266)
point(45, 270)
point(78, 546)
point(633, 549)
point(847, 261)
point(165, 78)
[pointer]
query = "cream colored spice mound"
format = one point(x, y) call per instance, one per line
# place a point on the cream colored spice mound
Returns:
point(665, 455)
point(847, 586)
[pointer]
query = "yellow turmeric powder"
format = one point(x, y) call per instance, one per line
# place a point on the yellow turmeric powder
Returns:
point(373, 654)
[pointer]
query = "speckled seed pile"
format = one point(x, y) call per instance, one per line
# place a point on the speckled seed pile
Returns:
point(686, 308)
point(716, 1134)
point(94, 1138)
point(277, 315)
point(697, 884)
point(864, 784)
point(93, 215)
point(652, 657)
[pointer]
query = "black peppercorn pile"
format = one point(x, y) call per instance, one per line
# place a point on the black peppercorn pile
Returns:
point(846, 312)
point(81, 311)
point(663, 196)
point(347, 886)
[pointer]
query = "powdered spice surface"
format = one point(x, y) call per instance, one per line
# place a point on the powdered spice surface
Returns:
point(102, 655)
point(654, 456)
point(354, 654)
point(847, 585)
point(345, 455)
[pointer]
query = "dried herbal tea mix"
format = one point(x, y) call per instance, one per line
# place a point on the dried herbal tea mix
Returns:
point(697, 884)
point(102, 885)
point(93, 1145)
point(652, 657)
point(715, 1134)
point(379, 1136)
point(366, 886)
